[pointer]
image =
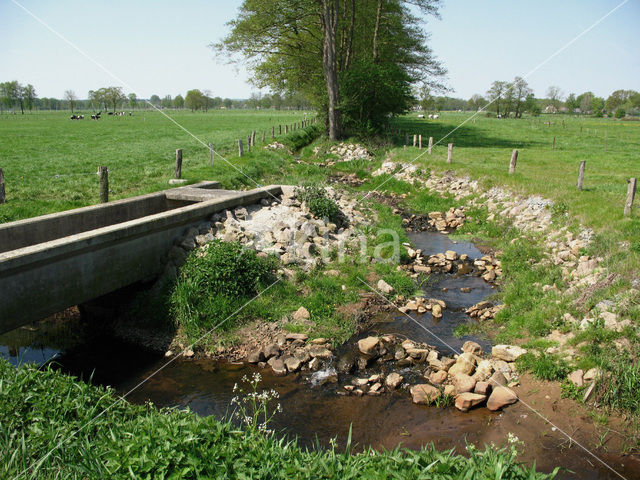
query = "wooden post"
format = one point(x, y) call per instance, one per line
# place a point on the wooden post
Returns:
point(103, 184)
point(279, 129)
point(420, 142)
point(430, 145)
point(264, 136)
point(581, 174)
point(240, 149)
point(2, 195)
point(273, 131)
point(249, 143)
point(253, 138)
point(415, 139)
point(211, 154)
point(286, 129)
point(179, 163)
point(514, 159)
point(450, 153)
point(553, 145)
point(631, 192)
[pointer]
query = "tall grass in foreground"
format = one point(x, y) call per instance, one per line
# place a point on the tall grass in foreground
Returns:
point(43, 411)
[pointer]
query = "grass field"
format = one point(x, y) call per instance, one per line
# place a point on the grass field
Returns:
point(49, 161)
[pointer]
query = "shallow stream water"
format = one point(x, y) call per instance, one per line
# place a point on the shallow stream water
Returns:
point(316, 414)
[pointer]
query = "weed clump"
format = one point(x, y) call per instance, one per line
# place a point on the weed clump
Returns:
point(214, 285)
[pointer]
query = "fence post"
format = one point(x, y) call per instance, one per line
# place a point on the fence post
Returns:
point(450, 153)
point(430, 145)
point(279, 129)
point(103, 184)
point(179, 163)
point(514, 159)
point(415, 139)
point(240, 149)
point(286, 129)
point(273, 131)
point(631, 192)
point(2, 194)
point(420, 142)
point(253, 138)
point(581, 174)
point(211, 153)
point(263, 136)
point(249, 143)
point(553, 145)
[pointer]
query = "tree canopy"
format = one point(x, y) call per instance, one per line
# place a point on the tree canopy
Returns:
point(345, 56)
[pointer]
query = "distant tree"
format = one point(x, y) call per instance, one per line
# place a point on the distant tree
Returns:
point(572, 102)
point(620, 113)
point(227, 102)
point(10, 92)
point(426, 98)
point(476, 102)
point(521, 92)
point(133, 101)
point(166, 102)
point(531, 105)
point(555, 95)
point(584, 100)
point(29, 96)
point(194, 99)
point(178, 101)
point(620, 98)
point(276, 101)
point(70, 97)
point(207, 100)
point(112, 96)
point(155, 100)
point(496, 94)
point(509, 100)
point(597, 106)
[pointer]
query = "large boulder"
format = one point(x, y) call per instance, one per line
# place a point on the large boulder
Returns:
point(508, 353)
point(472, 347)
point(424, 394)
point(501, 397)
point(463, 383)
point(464, 364)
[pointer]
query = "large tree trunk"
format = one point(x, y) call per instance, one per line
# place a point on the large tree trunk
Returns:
point(329, 25)
point(376, 31)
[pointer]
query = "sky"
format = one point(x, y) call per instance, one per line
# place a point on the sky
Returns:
point(161, 47)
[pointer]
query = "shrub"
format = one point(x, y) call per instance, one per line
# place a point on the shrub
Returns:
point(319, 204)
point(213, 285)
point(620, 113)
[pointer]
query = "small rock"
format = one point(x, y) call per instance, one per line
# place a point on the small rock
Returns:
point(256, 356)
point(591, 375)
point(296, 336)
point(424, 394)
point(301, 314)
point(438, 378)
point(463, 383)
point(465, 401)
point(436, 311)
point(482, 388)
point(577, 378)
point(501, 397)
point(472, 347)
point(318, 351)
point(498, 379)
point(508, 353)
point(368, 346)
point(393, 380)
point(188, 353)
point(271, 350)
point(384, 287)
point(292, 364)
point(278, 366)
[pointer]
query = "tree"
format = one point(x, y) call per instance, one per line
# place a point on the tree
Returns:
point(554, 95)
point(133, 101)
point(620, 113)
point(521, 92)
point(166, 102)
point(508, 102)
point(496, 94)
point(427, 102)
point(584, 100)
point(315, 47)
point(112, 96)
point(531, 105)
point(194, 99)
point(476, 102)
point(70, 97)
point(30, 96)
point(572, 103)
point(597, 105)
point(178, 101)
point(620, 98)
point(155, 100)
point(10, 91)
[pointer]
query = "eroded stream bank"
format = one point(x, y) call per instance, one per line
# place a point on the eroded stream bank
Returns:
point(317, 412)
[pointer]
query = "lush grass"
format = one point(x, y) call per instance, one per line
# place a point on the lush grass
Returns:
point(54, 427)
point(49, 162)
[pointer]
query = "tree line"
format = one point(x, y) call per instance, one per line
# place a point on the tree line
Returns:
point(15, 97)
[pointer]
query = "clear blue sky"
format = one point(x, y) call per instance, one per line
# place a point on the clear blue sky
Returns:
point(160, 47)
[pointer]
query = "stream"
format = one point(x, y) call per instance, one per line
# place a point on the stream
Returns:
point(315, 414)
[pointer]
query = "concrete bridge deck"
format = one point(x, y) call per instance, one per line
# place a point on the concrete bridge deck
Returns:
point(55, 261)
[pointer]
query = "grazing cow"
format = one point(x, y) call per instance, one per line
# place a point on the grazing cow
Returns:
point(430, 116)
point(420, 116)
point(80, 117)
point(436, 116)
point(74, 117)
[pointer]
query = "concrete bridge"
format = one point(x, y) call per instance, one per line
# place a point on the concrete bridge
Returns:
point(55, 261)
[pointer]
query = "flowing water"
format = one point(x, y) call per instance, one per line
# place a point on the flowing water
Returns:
point(315, 414)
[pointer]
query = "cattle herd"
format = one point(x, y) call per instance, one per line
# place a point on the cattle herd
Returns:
point(434, 116)
point(97, 115)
